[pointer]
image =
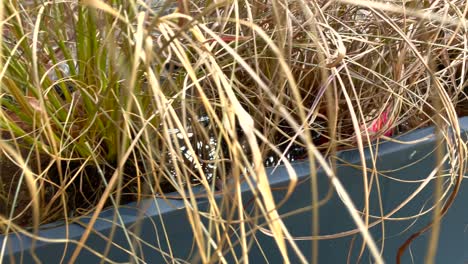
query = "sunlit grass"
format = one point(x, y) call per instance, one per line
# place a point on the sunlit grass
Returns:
point(104, 102)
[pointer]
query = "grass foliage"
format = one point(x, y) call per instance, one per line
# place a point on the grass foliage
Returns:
point(105, 102)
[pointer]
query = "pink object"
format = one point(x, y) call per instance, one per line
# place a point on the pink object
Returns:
point(382, 122)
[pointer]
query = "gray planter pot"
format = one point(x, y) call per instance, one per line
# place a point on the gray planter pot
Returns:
point(397, 160)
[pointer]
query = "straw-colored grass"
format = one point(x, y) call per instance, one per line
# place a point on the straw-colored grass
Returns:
point(105, 102)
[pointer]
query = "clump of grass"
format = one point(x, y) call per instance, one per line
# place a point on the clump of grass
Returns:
point(125, 99)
